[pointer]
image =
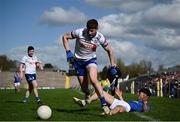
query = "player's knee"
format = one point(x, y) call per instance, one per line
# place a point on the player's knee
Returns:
point(35, 85)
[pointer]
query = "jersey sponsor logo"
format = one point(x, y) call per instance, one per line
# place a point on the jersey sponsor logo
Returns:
point(32, 62)
point(88, 44)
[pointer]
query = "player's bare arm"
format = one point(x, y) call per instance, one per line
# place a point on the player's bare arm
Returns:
point(110, 54)
point(144, 100)
point(39, 65)
point(145, 107)
point(21, 69)
point(118, 92)
point(65, 39)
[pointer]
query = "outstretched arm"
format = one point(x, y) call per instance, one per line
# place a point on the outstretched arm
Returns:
point(145, 107)
point(118, 92)
point(110, 54)
point(145, 104)
point(39, 65)
point(21, 71)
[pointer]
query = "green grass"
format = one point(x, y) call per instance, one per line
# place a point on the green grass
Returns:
point(61, 103)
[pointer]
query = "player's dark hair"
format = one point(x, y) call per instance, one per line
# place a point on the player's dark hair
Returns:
point(30, 48)
point(92, 24)
point(146, 91)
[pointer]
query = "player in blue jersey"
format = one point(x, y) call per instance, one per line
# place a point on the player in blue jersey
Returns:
point(141, 105)
point(17, 82)
point(87, 40)
point(119, 105)
point(28, 66)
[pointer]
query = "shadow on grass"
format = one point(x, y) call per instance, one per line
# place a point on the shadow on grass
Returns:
point(14, 101)
point(82, 111)
point(71, 110)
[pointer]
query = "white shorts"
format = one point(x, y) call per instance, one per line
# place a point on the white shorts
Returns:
point(117, 102)
point(17, 84)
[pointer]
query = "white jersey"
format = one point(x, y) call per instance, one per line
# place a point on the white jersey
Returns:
point(30, 64)
point(86, 47)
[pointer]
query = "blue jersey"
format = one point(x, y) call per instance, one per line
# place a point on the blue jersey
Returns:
point(17, 79)
point(137, 106)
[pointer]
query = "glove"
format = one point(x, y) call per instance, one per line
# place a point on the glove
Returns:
point(69, 55)
point(113, 71)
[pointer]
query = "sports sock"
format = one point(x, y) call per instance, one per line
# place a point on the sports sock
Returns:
point(103, 101)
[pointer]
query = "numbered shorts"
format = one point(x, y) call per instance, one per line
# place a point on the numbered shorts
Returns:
point(30, 77)
point(81, 65)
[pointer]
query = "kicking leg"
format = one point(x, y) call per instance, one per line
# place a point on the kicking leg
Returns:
point(35, 86)
point(84, 102)
point(92, 69)
point(83, 80)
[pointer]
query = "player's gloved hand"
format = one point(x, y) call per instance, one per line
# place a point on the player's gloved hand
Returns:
point(69, 55)
point(113, 70)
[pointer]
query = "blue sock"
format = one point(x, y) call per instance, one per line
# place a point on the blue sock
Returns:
point(103, 101)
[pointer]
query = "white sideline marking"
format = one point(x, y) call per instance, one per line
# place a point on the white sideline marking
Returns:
point(4, 88)
point(144, 116)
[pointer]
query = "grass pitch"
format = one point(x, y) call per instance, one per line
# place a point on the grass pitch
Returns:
point(61, 103)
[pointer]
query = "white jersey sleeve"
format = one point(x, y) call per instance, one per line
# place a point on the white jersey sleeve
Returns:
point(23, 60)
point(102, 40)
point(76, 33)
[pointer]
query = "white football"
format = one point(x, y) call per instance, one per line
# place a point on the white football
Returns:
point(44, 112)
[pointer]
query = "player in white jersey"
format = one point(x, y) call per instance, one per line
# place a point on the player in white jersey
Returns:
point(87, 40)
point(29, 63)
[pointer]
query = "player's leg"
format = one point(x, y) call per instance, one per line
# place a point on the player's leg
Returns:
point(94, 97)
point(28, 92)
point(83, 81)
point(84, 102)
point(109, 98)
point(82, 77)
point(92, 69)
point(18, 87)
point(15, 87)
point(35, 90)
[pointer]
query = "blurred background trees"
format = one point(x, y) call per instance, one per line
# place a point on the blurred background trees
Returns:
point(6, 64)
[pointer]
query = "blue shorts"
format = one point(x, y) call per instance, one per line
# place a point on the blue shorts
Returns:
point(30, 77)
point(80, 66)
